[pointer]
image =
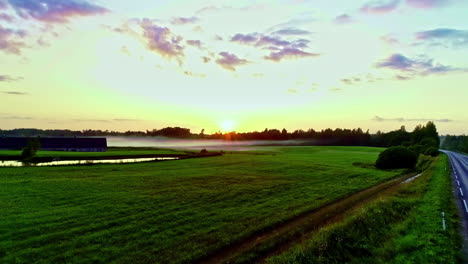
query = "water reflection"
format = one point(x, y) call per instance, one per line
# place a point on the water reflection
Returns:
point(15, 163)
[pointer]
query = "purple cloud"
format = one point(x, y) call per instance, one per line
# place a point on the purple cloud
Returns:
point(229, 61)
point(184, 20)
point(343, 19)
point(195, 43)
point(259, 40)
point(245, 39)
point(416, 66)
point(6, 18)
point(291, 32)
point(267, 40)
point(280, 48)
point(380, 6)
point(398, 62)
point(161, 40)
point(455, 36)
point(427, 4)
point(11, 40)
point(288, 53)
point(55, 11)
point(3, 4)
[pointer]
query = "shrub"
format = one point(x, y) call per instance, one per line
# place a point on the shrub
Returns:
point(396, 158)
point(30, 150)
point(434, 152)
point(417, 148)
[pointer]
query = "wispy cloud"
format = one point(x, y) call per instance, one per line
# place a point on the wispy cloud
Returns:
point(7, 78)
point(92, 120)
point(55, 11)
point(14, 93)
point(389, 39)
point(280, 48)
point(351, 81)
point(184, 20)
point(12, 41)
point(291, 31)
point(161, 40)
point(6, 18)
point(419, 66)
point(427, 4)
point(444, 35)
point(245, 38)
point(380, 6)
point(125, 120)
point(401, 119)
point(288, 53)
point(230, 61)
point(343, 19)
point(15, 117)
point(195, 43)
point(3, 4)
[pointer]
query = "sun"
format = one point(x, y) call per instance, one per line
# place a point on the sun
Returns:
point(227, 126)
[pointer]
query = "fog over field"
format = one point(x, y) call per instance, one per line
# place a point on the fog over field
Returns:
point(209, 144)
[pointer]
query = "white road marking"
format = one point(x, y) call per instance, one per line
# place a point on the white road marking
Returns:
point(466, 207)
point(461, 192)
point(412, 178)
point(458, 183)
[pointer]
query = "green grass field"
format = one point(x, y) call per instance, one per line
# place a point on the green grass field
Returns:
point(405, 227)
point(168, 212)
point(112, 152)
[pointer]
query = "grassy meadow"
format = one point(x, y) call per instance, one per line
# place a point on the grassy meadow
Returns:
point(404, 227)
point(172, 211)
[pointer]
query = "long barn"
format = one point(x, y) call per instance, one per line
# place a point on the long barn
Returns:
point(57, 143)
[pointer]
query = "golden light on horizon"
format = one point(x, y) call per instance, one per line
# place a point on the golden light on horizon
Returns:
point(227, 126)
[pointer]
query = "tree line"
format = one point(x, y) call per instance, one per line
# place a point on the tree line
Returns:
point(456, 143)
point(422, 137)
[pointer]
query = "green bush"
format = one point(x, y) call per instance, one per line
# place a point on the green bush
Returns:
point(30, 150)
point(396, 158)
point(417, 148)
point(434, 152)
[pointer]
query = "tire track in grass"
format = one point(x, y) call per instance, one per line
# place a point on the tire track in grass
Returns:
point(282, 235)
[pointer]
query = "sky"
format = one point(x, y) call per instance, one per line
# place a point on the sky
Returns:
point(233, 65)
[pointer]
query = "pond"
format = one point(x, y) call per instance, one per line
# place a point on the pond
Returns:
point(15, 163)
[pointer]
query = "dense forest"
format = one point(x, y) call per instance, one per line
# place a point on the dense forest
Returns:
point(456, 143)
point(420, 138)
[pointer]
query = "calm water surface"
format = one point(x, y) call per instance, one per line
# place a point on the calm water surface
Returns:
point(15, 163)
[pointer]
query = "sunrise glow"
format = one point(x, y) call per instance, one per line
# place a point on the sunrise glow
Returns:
point(279, 64)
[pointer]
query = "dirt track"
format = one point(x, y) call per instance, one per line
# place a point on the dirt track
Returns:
point(282, 236)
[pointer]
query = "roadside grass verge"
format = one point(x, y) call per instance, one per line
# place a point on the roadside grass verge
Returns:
point(404, 227)
point(168, 212)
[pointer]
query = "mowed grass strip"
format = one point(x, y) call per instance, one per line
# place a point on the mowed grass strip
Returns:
point(168, 212)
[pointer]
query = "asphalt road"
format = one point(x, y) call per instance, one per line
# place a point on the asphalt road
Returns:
point(459, 164)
